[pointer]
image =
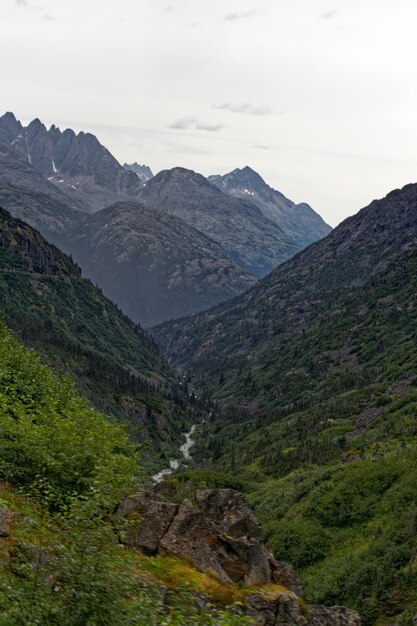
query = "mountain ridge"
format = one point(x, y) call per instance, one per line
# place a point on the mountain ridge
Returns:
point(155, 266)
point(251, 240)
point(78, 163)
point(298, 221)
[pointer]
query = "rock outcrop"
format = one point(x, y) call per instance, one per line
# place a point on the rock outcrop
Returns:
point(288, 610)
point(220, 533)
point(6, 521)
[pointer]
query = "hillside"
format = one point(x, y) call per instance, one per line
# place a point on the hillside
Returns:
point(250, 239)
point(276, 310)
point(64, 470)
point(44, 298)
point(153, 265)
point(299, 221)
point(315, 372)
point(29, 196)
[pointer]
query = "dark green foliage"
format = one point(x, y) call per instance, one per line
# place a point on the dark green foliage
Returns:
point(116, 365)
point(62, 564)
point(315, 369)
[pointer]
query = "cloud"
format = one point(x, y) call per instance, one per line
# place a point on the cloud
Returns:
point(242, 15)
point(183, 123)
point(192, 121)
point(22, 3)
point(244, 107)
point(212, 128)
point(328, 15)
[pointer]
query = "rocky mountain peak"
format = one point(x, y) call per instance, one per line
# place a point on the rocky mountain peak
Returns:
point(143, 172)
point(9, 127)
point(77, 163)
point(239, 226)
point(298, 221)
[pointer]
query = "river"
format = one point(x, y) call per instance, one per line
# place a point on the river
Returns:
point(174, 464)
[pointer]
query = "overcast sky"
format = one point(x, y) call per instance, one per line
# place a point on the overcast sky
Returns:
point(319, 96)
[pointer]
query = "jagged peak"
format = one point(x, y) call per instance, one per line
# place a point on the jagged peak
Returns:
point(36, 123)
point(9, 116)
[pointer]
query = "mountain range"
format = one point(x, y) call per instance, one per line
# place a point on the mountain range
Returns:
point(250, 239)
point(302, 389)
point(154, 265)
point(76, 163)
point(75, 192)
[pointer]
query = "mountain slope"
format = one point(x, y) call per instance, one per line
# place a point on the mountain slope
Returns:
point(29, 196)
point(298, 221)
point(116, 364)
point(277, 308)
point(315, 369)
point(254, 242)
point(76, 163)
point(153, 265)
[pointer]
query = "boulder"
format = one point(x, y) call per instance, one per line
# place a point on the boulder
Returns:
point(228, 512)
point(283, 610)
point(152, 515)
point(220, 534)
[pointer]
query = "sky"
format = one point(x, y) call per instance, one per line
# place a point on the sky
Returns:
point(318, 96)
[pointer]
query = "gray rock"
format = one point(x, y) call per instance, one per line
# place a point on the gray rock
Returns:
point(284, 574)
point(283, 610)
point(154, 514)
point(221, 534)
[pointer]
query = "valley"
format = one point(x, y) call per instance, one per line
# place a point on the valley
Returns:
point(279, 361)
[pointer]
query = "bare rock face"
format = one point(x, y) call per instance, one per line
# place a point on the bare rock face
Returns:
point(6, 521)
point(220, 533)
point(156, 515)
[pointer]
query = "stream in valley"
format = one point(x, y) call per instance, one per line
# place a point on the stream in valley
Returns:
point(174, 464)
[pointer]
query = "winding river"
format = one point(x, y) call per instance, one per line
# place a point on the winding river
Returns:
point(174, 464)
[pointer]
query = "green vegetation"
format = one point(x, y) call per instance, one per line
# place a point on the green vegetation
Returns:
point(63, 471)
point(326, 452)
point(115, 364)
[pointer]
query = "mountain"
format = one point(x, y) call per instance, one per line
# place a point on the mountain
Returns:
point(47, 302)
point(153, 265)
point(78, 164)
point(251, 240)
point(299, 221)
point(143, 172)
point(28, 195)
point(314, 372)
point(279, 306)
